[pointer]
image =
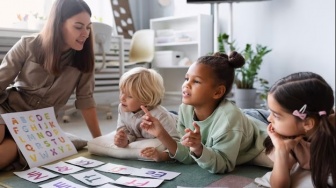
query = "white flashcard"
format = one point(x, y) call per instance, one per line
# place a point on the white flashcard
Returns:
point(85, 162)
point(92, 178)
point(108, 186)
point(116, 169)
point(38, 136)
point(63, 168)
point(138, 182)
point(35, 175)
point(62, 182)
point(153, 173)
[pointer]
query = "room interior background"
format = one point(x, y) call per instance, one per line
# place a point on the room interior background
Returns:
point(301, 33)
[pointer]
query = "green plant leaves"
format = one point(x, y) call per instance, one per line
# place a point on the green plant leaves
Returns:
point(248, 74)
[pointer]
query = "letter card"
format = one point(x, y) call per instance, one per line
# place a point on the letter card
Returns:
point(92, 178)
point(153, 173)
point(63, 168)
point(116, 169)
point(138, 182)
point(35, 174)
point(61, 183)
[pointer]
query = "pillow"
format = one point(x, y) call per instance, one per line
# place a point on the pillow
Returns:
point(262, 160)
point(79, 143)
point(299, 178)
point(104, 146)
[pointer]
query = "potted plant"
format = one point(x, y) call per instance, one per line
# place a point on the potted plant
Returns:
point(246, 76)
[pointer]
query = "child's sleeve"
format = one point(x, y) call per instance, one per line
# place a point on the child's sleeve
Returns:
point(169, 123)
point(222, 155)
point(121, 125)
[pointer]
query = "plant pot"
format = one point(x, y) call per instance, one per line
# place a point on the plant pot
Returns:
point(245, 98)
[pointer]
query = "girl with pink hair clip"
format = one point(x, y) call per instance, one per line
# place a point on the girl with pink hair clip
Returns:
point(302, 132)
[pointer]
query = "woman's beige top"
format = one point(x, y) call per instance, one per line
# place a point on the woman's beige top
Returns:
point(25, 85)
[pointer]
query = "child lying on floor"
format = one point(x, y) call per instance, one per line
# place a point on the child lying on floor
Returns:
point(139, 86)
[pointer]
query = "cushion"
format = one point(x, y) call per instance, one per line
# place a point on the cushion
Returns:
point(262, 160)
point(104, 146)
point(299, 178)
point(78, 142)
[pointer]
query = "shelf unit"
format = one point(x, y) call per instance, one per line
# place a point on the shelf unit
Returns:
point(199, 32)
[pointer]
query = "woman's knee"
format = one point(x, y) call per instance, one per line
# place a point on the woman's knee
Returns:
point(2, 132)
point(8, 152)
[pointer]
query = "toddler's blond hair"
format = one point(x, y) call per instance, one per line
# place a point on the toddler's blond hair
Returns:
point(143, 84)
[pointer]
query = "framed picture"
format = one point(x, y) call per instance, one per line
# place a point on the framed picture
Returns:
point(122, 18)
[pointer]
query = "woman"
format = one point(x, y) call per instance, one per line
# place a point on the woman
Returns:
point(45, 69)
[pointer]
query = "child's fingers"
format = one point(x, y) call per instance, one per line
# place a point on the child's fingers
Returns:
point(297, 139)
point(145, 150)
point(187, 130)
point(119, 131)
point(145, 110)
point(197, 128)
point(145, 122)
point(270, 129)
point(146, 125)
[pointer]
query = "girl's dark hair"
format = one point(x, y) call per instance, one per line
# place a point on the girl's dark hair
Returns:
point(307, 88)
point(223, 67)
point(52, 40)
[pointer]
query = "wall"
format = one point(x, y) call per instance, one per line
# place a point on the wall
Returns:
point(301, 33)
point(144, 10)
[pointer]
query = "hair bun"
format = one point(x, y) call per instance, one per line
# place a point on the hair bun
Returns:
point(236, 60)
point(220, 54)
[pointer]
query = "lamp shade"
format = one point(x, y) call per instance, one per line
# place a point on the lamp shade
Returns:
point(102, 35)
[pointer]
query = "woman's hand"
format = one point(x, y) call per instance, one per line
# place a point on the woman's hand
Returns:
point(192, 139)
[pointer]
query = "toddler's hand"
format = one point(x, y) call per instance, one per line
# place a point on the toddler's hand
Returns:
point(120, 139)
point(192, 139)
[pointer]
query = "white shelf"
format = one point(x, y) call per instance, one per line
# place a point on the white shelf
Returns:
point(198, 29)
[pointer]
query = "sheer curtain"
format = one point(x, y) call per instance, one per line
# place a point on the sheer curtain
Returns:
point(27, 13)
point(22, 13)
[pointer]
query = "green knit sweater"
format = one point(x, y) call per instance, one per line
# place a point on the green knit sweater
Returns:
point(229, 137)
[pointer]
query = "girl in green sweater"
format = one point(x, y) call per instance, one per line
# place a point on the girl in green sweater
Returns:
point(217, 135)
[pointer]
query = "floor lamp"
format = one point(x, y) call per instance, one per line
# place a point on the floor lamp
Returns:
point(214, 12)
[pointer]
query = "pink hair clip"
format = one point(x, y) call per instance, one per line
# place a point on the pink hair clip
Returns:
point(321, 113)
point(301, 113)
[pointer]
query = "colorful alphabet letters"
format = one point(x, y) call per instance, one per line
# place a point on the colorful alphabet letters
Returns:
point(38, 136)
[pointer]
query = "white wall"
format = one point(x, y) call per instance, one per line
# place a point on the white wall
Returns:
point(300, 32)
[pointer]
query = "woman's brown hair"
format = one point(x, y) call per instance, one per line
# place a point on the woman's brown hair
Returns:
point(52, 42)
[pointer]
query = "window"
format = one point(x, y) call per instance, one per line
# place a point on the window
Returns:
point(29, 13)
point(25, 14)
